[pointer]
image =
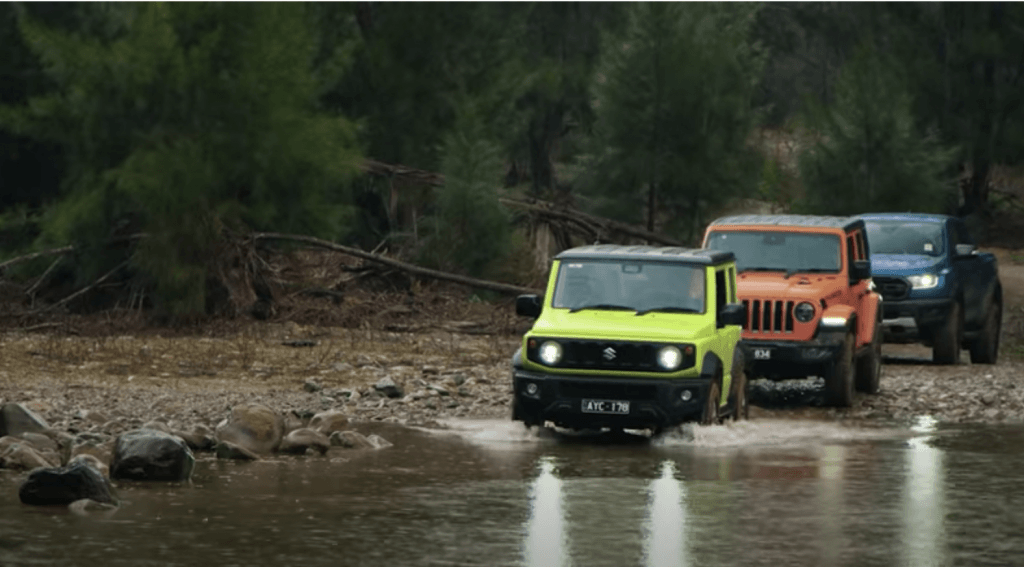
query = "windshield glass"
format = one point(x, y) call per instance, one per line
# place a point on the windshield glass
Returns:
point(629, 285)
point(789, 252)
point(905, 237)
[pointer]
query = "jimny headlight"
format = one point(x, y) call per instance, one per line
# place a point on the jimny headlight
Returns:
point(670, 357)
point(550, 353)
point(923, 281)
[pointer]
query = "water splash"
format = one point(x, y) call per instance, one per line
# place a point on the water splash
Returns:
point(770, 433)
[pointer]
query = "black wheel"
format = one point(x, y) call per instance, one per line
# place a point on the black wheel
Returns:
point(949, 338)
point(839, 378)
point(985, 348)
point(869, 365)
point(710, 414)
point(519, 415)
point(740, 400)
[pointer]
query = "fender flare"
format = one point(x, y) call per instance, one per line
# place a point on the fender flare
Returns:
point(517, 358)
point(710, 366)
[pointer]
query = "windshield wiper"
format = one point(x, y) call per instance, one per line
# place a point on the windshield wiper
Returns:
point(668, 309)
point(601, 306)
point(792, 271)
point(761, 269)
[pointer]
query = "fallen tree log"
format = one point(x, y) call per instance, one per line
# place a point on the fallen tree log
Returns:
point(507, 289)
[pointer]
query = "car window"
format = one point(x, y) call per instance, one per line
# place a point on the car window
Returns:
point(632, 285)
point(779, 251)
point(905, 237)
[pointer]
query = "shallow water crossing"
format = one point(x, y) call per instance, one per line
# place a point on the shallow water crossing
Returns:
point(764, 492)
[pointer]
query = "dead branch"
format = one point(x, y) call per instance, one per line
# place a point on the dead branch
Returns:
point(403, 266)
point(20, 259)
point(85, 289)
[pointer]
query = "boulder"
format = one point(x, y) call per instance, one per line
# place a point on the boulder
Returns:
point(91, 461)
point(39, 441)
point(148, 454)
point(62, 486)
point(200, 438)
point(15, 419)
point(228, 450)
point(350, 440)
point(254, 427)
point(388, 387)
point(21, 456)
point(328, 422)
point(298, 441)
point(379, 442)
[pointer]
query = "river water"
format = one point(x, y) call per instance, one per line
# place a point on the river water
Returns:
point(765, 492)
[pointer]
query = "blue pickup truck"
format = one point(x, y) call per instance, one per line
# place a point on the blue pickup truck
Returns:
point(936, 287)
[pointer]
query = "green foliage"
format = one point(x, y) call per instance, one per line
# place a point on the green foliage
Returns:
point(870, 155)
point(470, 229)
point(673, 102)
point(193, 119)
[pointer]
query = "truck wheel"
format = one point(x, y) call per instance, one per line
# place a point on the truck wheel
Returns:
point(869, 365)
point(710, 414)
point(949, 338)
point(985, 349)
point(839, 378)
point(740, 400)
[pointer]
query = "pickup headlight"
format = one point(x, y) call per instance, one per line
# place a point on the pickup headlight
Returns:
point(550, 353)
point(923, 281)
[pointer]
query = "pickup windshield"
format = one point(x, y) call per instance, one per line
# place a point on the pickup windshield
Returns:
point(629, 286)
point(905, 237)
point(775, 251)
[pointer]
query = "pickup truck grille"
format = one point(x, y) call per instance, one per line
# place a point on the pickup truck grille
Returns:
point(769, 316)
point(892, 288)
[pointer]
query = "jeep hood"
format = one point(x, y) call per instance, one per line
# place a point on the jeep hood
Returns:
point(903, 264)
point(797, 286)
point(623, 325)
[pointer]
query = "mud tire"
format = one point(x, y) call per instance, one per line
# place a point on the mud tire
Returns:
point(739, 398)
point(985, 348)
point(950, 337)
point(710, 415)
point(839, 378)
point(869, 365)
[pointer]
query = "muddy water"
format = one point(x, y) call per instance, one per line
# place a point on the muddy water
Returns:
point(765, 492)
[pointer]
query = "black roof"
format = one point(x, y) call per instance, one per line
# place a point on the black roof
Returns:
point(812, 221)
point(658, 253)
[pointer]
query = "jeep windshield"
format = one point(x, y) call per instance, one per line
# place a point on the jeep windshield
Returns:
point(904, 237)
point(629, 285)
point(775, 251)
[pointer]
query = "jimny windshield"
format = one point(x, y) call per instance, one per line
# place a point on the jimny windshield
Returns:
point(629, 285)
point(775, 251)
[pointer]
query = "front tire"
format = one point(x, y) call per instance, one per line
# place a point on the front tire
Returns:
point(710, 415)
point(985, 348)
point(839, 378)
point(740, 397)
point(949, 338)
point(869, 365)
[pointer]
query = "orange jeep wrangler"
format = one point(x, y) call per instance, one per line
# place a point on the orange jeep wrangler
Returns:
point(811, 307)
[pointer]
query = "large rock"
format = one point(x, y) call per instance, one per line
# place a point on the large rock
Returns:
point(200, 438)
point(148, 454)
point(16, 419)
point(350, 440)
point(298, 441)
point(228, 450)
point(62, 486)
point(95, 444)
point(389, 387)
point(328, 422)
point(21, 456)
point(254, 427)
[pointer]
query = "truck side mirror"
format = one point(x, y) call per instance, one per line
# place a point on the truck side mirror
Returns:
point(528, 305)
point(732, 314)
point(964, 250)
point(860, 270)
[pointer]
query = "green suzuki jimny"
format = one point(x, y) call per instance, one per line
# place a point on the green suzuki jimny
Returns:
point(632, 337)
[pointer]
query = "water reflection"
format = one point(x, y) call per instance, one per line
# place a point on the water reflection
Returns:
point(666, 531)
point(923, 514)
point(545, 534)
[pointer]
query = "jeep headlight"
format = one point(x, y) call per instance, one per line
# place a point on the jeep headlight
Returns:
point(670, 357)
point(923, 281)
point(550, 353)
point(804, 312)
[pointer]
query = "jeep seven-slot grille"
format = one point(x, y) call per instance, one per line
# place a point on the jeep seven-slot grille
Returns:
point(768, 316)
point(607, 355)
point(892, 288)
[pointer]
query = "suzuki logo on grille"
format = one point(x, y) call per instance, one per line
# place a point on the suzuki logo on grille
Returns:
point(609, 354)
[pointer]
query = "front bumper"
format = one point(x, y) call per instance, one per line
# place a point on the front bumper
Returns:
point(780, 360)
point(654, 403)
point(913, 320)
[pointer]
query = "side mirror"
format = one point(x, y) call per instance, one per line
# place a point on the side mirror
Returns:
point(964, 250)
point(528, 305)
point(732, 314)
point(860, 270)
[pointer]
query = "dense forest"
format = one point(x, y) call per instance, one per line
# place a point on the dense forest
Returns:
point(150, 140)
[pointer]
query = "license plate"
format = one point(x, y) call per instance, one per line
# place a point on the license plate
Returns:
point(762, 353)
point(605, 406)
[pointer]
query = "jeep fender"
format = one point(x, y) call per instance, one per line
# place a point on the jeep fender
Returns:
point(870, 313)
point(845, 311)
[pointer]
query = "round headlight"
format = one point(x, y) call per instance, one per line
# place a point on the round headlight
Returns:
point(804, 312)
point(550, 353)
point(670, 357)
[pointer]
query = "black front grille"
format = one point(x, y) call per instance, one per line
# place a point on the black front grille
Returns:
point(607, 391)
point(605, 355)
point(769, 316)
point(892, 288)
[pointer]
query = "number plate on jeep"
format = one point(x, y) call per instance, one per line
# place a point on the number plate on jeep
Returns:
point(605, 406)
point(762, 354)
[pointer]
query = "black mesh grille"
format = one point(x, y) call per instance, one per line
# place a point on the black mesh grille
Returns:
point(610, 355)
point(892, 288)
point(769, 316)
